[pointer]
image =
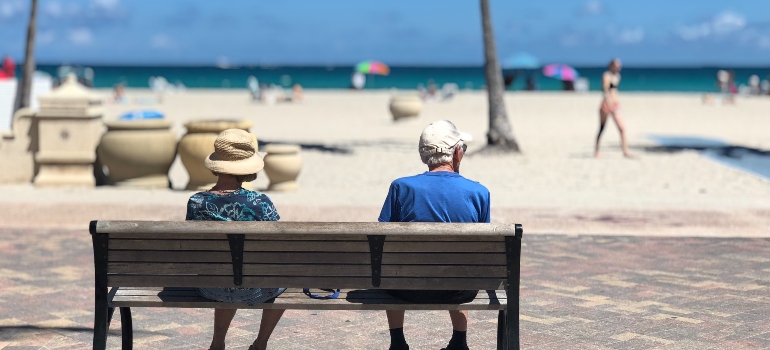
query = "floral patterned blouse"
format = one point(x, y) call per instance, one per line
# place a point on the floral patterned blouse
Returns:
point(241, 205)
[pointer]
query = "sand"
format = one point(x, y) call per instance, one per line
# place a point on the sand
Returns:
point(353, 150)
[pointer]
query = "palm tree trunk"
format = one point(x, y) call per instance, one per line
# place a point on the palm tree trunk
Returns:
point(500, 135)
point(24, 88)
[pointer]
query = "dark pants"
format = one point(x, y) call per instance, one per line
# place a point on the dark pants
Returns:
point(435, 296)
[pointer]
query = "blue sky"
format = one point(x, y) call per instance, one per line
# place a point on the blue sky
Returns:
point(399, 32)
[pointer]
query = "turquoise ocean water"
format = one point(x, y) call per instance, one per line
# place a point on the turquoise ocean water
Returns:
point(634, 79)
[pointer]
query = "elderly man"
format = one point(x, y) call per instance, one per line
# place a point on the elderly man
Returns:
point(439, 195)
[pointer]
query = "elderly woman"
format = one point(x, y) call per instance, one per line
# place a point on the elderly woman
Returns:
point(235, 161)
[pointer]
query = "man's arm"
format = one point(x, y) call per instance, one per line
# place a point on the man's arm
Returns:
point(390, 209)
point(485, 209)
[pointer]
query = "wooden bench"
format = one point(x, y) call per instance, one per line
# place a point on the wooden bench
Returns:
point(160, 264)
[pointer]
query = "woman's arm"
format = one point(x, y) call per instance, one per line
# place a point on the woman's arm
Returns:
point(606, 81)
point(609, 97)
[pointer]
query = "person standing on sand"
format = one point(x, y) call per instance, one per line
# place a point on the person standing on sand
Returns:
point(440, 194)
point(611, 106)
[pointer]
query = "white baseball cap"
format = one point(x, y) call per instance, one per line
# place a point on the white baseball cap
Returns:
point(441, 137)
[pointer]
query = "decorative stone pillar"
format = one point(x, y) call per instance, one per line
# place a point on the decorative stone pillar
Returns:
point(69, 126)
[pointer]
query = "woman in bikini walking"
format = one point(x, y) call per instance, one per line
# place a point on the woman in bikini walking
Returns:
point(611, 106)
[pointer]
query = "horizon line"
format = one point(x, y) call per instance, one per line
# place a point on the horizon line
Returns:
point(274, 66)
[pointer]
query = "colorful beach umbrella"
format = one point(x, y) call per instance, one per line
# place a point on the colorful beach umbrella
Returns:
point(373, 67)
point(521, 60)
point(560, 71)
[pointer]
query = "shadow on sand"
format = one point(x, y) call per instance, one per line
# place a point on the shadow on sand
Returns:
point(751, 160)
point(313, 146)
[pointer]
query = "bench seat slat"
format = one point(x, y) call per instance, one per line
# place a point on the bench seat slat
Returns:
point(295, 299)
point(304, 237)
point(308, 257)
point(296, 246)
point(224, 269)
point(185, 291)
point(300, 282)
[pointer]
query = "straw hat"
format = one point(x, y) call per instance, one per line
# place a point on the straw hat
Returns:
point(234, 154)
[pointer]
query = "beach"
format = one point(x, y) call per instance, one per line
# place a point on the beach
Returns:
point(667, 250)
point(352, 150)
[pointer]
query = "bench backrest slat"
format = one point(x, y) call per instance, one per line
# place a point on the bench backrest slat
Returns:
point(293, 256)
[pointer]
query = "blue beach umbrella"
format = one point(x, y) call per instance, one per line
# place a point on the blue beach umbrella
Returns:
point(521, 60)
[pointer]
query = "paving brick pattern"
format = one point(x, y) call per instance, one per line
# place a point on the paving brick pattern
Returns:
point(578, 292)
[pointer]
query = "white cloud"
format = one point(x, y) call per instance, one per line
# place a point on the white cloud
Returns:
point(53, 9)
point(81, 36)
point(728, 22)
point(722, 24)
point(593, 7)
point(11, 8)
point(106, 4)
point(162, 42)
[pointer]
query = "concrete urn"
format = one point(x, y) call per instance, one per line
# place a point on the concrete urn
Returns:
point(405, 106)
point(198, 144)
point(282, 166)
point(138, 153)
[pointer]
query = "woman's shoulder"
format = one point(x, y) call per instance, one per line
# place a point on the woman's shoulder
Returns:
point(254, 195)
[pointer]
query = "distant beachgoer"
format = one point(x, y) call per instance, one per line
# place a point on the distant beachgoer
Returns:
point(432, 91)
point(611, 106)
point(730, 89)
point(568, 85)
point(722, 77)
point(119, 94)
point(297, 94)
point(254, 88)
point(509, 79)
point(9, 68)
point(731, 85)
point(532, 83)
point(764, 86)
point(754, 87)
point(357, 81)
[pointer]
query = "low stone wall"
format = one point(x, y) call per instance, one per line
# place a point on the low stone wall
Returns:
point(17, 149)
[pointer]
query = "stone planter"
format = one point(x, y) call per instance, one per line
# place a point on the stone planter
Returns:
point(405, 106)
point(282, 166)
point(198, 144)
point(138, 153)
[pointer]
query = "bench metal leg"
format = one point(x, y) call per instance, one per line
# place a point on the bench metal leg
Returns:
point(127, 328)
point(102, 312)
point(102, 316)
point(512, 327)
point(501, 341)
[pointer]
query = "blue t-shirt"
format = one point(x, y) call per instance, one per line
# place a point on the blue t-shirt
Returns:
point(439, 196)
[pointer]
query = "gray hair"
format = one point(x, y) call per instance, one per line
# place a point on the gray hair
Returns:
point(439, 158)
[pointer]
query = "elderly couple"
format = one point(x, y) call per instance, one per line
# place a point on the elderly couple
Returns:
point(439, 195)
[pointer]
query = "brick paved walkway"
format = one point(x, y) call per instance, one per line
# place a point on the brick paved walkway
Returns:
point(578, 292)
